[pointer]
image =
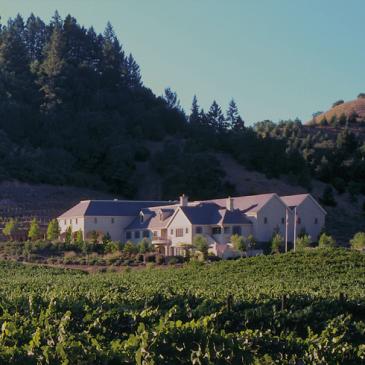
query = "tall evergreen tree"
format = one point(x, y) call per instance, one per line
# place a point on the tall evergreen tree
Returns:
point(52, 71)
point(133, 74)
point(216, 119)
point(195, 116)
point(35, 37)
point(113, 60)
point(235, 121)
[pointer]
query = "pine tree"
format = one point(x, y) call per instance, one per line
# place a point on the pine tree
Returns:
point(33, 233)
point(216, 118)
point(52, 78)
point(171, 99)
point(53, 230)
point(68, 234)
point(236, 123)
point(113, 60)
point(195, 116)
point(79, 237)
point(133, 74)
point(35, 37)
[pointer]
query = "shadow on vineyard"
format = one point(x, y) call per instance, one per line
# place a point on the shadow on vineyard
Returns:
point(296, 308)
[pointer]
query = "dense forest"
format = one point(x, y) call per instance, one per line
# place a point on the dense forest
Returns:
point(74, 111)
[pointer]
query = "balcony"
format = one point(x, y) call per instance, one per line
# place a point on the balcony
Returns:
point(160, 241)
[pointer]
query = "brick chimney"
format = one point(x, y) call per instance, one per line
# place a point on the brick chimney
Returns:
point(183, 200)
point(229, 204)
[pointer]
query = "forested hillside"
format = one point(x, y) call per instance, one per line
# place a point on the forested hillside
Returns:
point(74, 111)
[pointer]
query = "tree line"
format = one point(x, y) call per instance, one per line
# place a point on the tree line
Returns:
point(74, 111)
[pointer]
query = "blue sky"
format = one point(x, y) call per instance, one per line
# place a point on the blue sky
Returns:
point(278, 59)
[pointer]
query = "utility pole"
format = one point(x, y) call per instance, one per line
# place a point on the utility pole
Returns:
point(286, 229)
point(295, 227)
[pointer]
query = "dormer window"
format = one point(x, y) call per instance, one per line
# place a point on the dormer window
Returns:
point(141, 218)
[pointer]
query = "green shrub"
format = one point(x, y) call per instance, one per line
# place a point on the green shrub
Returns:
point(325, 240)
point(303, 242)
point(358, 241)
point(276, 243)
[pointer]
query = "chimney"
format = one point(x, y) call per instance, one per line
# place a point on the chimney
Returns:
point(229, 204)
point(183, 200)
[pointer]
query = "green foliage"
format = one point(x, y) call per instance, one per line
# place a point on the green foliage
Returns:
point(68, 235)
point(325, 240)
point(159, 316)
point(358, 241)
point(33, 233)
point(277, 242)
point(106, 238)
point(201, 244)
point(145, 246)
point(250, 241)
point(238, 242)
point(130, 248)
point(302, 242)
point(79, 239)
point(11, 228)
point(53, 230)
point(338, 102)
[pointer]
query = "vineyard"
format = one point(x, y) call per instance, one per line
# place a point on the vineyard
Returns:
point(296, 308)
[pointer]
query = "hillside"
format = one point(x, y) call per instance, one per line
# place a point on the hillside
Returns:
point(290, 309)
point(354, 108)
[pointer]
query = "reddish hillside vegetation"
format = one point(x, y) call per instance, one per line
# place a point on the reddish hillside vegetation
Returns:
point(354, 108)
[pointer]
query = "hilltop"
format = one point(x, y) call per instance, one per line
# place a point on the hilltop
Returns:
point(352, 111)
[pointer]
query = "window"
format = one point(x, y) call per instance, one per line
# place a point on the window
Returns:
point(65, 221)
point(227, 230)
point(155, 234)
point(128, 235)
point(216, 230)
point(236, 230)
point(137, 234)
point(171, 232)
point(146, 234)
point(95, 220)
point(315, 220)
point(179, 232)
point(76, 220)
point(282, 220)
point(112, 220)
point(299, 220)
point(186, 230)
point(199, 230)
point(265, 220)
point(141, 218)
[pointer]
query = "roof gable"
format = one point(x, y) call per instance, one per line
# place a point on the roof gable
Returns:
point(293, 201)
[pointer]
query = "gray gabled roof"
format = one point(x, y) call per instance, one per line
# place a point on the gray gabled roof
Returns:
point(112, 208)
point(212, 213)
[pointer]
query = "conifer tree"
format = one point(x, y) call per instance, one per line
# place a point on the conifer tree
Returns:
point(195, 116)
point(133, 74)
point(236, 123)
point(216, 118)
point(53, 230)
point(33, 233)
point(68, 234)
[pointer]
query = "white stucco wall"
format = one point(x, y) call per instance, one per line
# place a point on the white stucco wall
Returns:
point(246, 230)
point(180, 221)
point(274, 211)
point(76, 224)
point(104, 224)
point(308, 211)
